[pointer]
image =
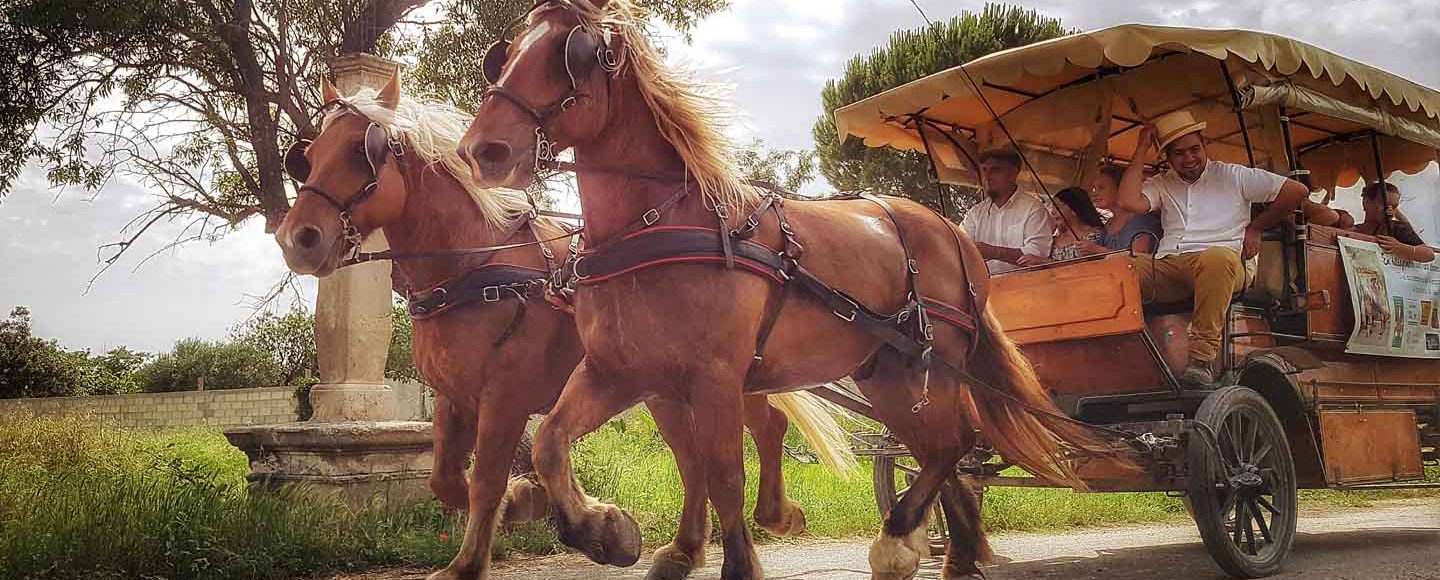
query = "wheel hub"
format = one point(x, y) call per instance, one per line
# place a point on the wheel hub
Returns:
point(1247, 478)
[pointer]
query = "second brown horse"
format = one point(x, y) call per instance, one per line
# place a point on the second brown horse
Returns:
point(384, 161)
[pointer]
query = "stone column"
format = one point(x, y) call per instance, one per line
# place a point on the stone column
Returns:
point(352, 340)
point(351, 445)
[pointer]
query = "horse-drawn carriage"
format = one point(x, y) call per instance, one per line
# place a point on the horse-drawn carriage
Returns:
point(1296, 410)
point(679, 295)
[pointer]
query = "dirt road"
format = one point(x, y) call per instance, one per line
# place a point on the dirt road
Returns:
point(1392, 540)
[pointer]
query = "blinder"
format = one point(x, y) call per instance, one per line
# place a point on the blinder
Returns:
point(376, 145)
point(583, 50)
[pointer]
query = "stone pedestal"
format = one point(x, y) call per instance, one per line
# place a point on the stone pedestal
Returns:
point(363, 462)
point(351, 446)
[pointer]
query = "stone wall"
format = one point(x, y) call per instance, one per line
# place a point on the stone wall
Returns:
point(225, 408)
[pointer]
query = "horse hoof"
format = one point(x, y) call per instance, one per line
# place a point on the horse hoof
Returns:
point(791, 523)
point(668, 569)
point(892, 559)
point(618, 536)
point(444, 574)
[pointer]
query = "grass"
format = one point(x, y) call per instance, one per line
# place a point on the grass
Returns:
point(82, 500)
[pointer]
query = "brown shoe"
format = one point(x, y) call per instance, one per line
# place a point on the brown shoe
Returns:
point(1198, 374)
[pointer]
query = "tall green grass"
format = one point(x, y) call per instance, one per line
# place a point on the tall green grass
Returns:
point(79, 499)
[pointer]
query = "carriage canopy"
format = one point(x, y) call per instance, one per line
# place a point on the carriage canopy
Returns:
point(1074, 102)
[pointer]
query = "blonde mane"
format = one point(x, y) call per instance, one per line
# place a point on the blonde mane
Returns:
point(432, 131)
point(689, 113)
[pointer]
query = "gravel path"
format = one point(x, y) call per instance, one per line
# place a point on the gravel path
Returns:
point(1391, 540)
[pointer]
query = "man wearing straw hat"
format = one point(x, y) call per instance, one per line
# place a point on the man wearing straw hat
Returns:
point(1205, 211)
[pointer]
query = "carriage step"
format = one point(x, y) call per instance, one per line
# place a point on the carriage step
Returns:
point(1393, 485)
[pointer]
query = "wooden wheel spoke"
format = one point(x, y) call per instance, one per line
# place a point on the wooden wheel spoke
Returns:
point(1250, 535)
point(1260, 499)
point(909, 471)
point(1260, 521)
point(1261, 453)
point(1239, 522)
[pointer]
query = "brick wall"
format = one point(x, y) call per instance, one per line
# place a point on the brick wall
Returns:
point(225, 408)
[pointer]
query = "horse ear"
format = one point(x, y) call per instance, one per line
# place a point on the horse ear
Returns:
point(389, 96)
point(327, 91)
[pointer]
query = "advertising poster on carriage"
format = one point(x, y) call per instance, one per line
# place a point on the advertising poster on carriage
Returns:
point(1396, 302)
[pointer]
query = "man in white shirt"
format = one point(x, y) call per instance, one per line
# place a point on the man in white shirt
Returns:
point(1205, 211)
point(1011, 227)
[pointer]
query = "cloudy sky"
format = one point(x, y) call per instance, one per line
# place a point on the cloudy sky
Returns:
point(776, 54)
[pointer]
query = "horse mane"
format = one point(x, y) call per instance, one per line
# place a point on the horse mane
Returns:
point(432, 131)
point(688, 112)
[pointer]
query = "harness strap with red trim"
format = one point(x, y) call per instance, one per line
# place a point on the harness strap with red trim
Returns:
point(660, 245)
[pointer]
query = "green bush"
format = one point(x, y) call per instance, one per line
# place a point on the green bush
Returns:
point(225, 365)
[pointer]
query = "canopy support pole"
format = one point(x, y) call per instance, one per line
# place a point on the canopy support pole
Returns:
point(1239, 112)
point(934, 169)
point(1389, 215)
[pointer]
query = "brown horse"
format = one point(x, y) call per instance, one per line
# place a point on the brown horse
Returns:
point(651, 157)
point(502, 358)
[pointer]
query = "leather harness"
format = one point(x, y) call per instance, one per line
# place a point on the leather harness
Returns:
point(647, 243)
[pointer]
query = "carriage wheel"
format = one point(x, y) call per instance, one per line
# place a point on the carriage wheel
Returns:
point(1244, 496)
point(893, 476)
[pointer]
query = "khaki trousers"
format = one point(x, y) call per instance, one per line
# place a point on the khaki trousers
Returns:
point(1210, 277)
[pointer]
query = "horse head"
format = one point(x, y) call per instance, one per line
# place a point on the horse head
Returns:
point(350, 182)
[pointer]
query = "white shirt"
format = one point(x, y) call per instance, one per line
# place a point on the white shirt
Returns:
point(1213, 211)
point(1022, 223)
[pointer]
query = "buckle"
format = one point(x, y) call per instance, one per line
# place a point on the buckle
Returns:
point(650, 217)
point(854, 309)
point(575, 267)
point(438, 295)
point(914, 269)
point(490, 293)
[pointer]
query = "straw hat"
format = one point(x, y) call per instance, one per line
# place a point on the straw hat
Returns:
point(1175, 125)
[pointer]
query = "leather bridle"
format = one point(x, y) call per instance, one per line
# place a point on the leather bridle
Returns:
point(378, 144)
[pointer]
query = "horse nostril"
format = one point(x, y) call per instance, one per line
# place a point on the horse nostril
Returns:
point(494, 152)
point(308, 237)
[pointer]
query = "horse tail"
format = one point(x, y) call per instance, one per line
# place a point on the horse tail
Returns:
point(815, 418)
point(1020, 420)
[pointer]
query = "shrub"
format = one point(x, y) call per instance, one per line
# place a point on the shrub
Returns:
point(225, 365)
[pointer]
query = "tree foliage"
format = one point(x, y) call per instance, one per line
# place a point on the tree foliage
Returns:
point(31, 366)
point(289, 339)
point(909, 55)
point(787, 168)
point(224, 365)
point(196, 99)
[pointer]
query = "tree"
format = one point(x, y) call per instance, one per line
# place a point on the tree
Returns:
point(400, 358)
point(912, 54)
point(787, 168)
point(224, 365)
point(112, 373)
point(196, 99)
point(31, 366)
point(288, 339)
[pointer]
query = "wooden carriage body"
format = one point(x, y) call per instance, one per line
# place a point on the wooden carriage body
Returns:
point(1352, 420)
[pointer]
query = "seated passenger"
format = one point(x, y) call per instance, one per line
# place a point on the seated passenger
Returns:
point(1399, 238)
point(1205, 208)
point(1011, 227)
point(1079, 229)
point(1126, 230)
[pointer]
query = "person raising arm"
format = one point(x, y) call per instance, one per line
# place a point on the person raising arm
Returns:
point(1208, 232)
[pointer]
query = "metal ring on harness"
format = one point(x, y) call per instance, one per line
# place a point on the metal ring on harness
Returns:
point(575, 267)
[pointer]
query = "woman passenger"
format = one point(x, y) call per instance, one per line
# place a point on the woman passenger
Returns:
point(1079, 229)
point(1399, 238)
point(1125, 230)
